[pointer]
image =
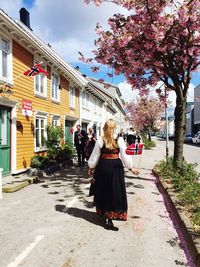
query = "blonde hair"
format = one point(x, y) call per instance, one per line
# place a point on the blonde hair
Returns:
point(108, 137)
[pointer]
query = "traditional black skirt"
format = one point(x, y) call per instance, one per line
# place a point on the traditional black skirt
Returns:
point(110, 191)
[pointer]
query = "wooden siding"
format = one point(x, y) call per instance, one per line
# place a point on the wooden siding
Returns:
point(24, 89)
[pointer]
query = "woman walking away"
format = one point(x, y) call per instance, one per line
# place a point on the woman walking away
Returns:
point(110, 192)
point(90, 143)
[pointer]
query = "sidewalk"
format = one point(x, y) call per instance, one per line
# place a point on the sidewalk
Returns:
point(59, 211)
point(12, 184)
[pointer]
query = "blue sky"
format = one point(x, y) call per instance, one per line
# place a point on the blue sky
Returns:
point(28, 3)
point(68, 25)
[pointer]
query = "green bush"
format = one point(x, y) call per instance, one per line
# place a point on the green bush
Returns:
point(191, 194)
point(148, 144)
point(40, 162)
point(65, 153)
point(54, 135)
point(186, 184)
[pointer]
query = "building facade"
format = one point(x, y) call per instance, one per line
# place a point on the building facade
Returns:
point(197, 109)
point(28, 104)
point(36, 101)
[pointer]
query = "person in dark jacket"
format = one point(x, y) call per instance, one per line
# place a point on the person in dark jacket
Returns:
point(131, 137)
point(79, 142)
point(90, 143)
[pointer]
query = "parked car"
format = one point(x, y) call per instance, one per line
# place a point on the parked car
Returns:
point(196, 139)
point(160, 134)
point(188, 137)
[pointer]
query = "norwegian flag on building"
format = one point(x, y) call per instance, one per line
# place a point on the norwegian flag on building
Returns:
point(135, 149)
point(36, 69)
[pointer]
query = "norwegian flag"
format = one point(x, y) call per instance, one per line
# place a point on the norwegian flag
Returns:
point(71, 130)
point(36, 69)
point(135, 149)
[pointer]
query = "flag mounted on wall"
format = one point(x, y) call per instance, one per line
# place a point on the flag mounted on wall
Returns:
point(36, 69)
point(135, 149)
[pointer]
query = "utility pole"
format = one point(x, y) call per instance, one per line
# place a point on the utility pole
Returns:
point(167, 134)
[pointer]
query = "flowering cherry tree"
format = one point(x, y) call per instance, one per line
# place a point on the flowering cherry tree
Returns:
point(158, 41)
point(143, 113)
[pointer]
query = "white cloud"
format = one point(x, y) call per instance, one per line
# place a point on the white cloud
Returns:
point(69, 26)
point(11, 7)
point(128, 94)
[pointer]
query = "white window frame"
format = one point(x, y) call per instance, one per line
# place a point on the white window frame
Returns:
point(55, 120)
point(83, 99)
point(40, 78)
point(9, 78)
point(44, 118)
point(95, 105)
point(87, 98)
point(55, 87)
point(72, 99)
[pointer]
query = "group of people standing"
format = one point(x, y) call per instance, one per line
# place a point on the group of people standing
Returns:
point(131, 137)
point(106, 160)
point(84, 143)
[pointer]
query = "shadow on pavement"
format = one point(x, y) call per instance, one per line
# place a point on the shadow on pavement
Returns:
point(89, 216)
point(139, 178)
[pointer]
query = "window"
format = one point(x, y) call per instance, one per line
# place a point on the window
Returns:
point(83, 99)
point(4, 128)
point(72, 96)
point(95, 105)
point(55, 121)
point(41, 83)
point(5, 60)
point(40, 133)
point(87, 100)
point(55, 92)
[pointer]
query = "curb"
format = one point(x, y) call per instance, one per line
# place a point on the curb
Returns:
point(17, 185)
point(183, 222)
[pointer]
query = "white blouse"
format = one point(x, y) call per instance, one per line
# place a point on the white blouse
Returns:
point(96, 153)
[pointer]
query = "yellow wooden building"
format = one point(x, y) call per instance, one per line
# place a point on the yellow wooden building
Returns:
point(29, 104)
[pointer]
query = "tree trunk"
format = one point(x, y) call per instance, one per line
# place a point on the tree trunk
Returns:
point(179, 132)
point(149, 135)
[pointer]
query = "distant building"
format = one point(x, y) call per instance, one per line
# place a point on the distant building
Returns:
point(190, 117)
point(197, 109)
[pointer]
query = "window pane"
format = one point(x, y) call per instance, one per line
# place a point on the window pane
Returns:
point(52, 92)
point(37, 123)
point(4, 64)
point(37, 138)
point(71, 96)
point(42, 124)
point(37, 83)
point(55, 86)
point(4, 128)
point(56, 92)
point(42, 137)
point(42, 78)
point(5, 46)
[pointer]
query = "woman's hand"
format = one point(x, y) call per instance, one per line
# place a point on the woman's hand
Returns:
point(134, 171)
point(90, 171)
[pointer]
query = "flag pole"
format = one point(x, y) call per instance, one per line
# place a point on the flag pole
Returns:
point(15, 78)
point(139, 161)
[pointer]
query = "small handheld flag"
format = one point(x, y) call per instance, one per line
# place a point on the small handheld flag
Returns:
point(36, 69)
point(135, 149)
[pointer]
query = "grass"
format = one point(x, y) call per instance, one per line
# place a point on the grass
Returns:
point(186, 185)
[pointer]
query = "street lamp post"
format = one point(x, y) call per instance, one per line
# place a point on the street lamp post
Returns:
point(167, 134)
